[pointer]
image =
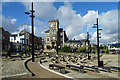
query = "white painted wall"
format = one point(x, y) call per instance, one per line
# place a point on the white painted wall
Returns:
point(17, 38)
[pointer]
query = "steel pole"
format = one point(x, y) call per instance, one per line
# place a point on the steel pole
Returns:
point(57, 42)
point(88, 44)
point(98, 50)
point(32, 16)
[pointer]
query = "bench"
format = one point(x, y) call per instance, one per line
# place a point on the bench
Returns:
point(106, 68)
point(61, 68)
point(93, 67)
point(14, 56)
point(80, 68)
point(116, 68)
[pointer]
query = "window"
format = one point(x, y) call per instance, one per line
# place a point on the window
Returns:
point(47, 39)
point(15, 37)
point(47, 34)
point(61, 44)
point(23, 41)
point(11, 39)
point(61, 39)
point(61, 33)
point(27, 41)
point(53, 25)
point(20, 40)
point(53, 31)
point(53, 38)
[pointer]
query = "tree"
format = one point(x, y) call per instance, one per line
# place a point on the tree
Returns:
point(27, 48)
point(101, 47)
point(104, 49)
point(48, 47)
point(93, 49)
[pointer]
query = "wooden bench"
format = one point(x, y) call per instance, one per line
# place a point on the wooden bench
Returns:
point(105, 68)
point(116, 68)
point(93, 67)
point(15, 56)
point(61, 68)
point(80, 68)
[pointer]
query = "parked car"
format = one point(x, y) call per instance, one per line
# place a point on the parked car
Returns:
point(114, 52)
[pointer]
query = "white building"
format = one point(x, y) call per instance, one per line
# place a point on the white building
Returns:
point(22, 37)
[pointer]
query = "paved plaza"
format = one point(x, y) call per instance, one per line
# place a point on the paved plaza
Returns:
point(17, 69)
point(14, 68)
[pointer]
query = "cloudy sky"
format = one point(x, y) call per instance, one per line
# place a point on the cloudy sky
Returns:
point(75, 17)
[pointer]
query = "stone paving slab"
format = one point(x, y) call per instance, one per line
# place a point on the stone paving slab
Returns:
point(14, 68)
point(41, 72)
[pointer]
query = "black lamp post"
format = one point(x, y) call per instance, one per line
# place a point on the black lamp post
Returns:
point(100, 63)
point(88, 44)
point(32, 22)
point(57, 42)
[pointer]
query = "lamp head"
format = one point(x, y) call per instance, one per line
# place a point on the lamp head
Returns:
point(100, 29)
point(94, 27)
point(27, 13)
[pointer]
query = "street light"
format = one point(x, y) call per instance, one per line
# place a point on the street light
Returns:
point(88, 45)
point(27, 13)
point(100, 63)
point(94, 27)
point(32, 22)
point(99, 29)
point(57, 41)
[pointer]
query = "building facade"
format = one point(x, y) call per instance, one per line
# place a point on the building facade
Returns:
point(77, 43)
point(21, 40)
point(54, 34)
point(5, 39)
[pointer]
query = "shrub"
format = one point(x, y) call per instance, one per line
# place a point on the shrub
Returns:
point(81, 49)
point(65, 49)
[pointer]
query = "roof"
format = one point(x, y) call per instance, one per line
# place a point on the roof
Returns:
point(13, 34)
point(54, 20)
point(23, 32)
point(84, 40)
point(73, 41)
point(76, 41)
point(47, 31)
point(60, 28)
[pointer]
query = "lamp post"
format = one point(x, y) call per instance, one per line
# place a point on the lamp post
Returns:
point(32, 22)
point(88, 44)
point(57, 42)
point(100, 63)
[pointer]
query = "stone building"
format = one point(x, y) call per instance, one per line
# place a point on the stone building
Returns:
point(75, 44)
point(5, 39)
point(54, 34)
